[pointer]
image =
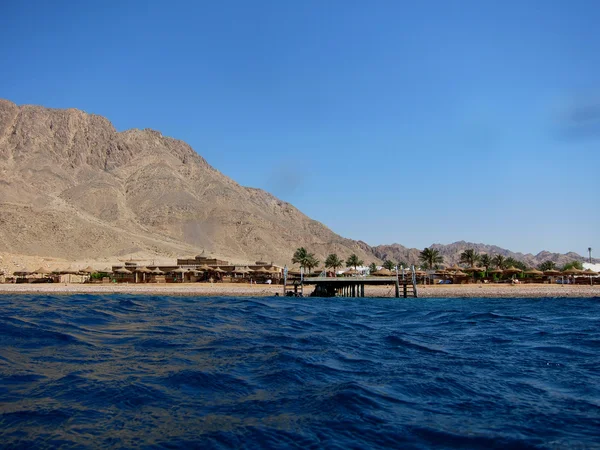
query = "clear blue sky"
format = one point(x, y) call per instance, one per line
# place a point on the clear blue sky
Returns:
point(388, 121)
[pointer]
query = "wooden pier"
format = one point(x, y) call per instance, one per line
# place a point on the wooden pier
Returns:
point(352, 286)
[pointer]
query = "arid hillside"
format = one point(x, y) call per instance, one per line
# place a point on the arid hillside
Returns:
point(73, 187)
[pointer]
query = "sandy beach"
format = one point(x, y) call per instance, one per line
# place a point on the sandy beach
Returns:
point(262, 290)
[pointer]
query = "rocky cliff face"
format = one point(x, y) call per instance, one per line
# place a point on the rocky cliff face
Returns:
point(71, 186)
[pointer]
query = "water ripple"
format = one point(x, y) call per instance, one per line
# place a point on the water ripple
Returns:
point(122, 371)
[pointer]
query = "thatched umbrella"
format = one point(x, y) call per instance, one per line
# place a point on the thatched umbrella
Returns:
point(42, 271)
point(107, 270)
point(204, 268)
point(460, 274)
point(383, 273)
point(534, 272)
point(454, 268)
point(573, 271)
point(178, 270)
point(143, 270)
point(157, 271)
point(219, 270)
point(590, 273)
point(496, 271)
point(512, 270)
point(88, 270)
point(123, 270)
point(474, 269)
point(261, 270)
point(551, 273)
point(351, 272)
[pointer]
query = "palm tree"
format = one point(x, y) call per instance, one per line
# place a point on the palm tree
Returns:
point(300, 256)
point(353, 261)
point(470, 257)
point(499, 261)
point(311, 262)
point(431, 257)
point(512, 262)
point(305, 259)
point(572, 265)
point(486, 261)
point(547, 265)
point(373, 268)
point(333, 262)
point(389, 265)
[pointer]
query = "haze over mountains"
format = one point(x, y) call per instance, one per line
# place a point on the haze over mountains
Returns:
point(72, 187)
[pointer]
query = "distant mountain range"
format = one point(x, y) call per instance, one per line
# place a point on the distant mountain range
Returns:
point(73, 187)
point(451, 254)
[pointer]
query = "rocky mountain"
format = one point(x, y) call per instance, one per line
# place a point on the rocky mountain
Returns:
point(72, 187)
point(451, 254)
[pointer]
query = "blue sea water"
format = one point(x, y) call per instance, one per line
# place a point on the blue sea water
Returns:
point(124, 371)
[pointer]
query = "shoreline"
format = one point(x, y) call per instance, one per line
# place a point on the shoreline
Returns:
point(263, 290)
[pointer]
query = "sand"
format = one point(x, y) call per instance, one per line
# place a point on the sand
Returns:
point(261, 290)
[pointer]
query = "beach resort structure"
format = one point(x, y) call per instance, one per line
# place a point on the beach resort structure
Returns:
point(199, 268)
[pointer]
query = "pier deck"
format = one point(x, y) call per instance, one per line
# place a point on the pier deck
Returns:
point(355, 286)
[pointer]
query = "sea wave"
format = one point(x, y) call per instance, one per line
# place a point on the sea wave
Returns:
point(181, 372)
